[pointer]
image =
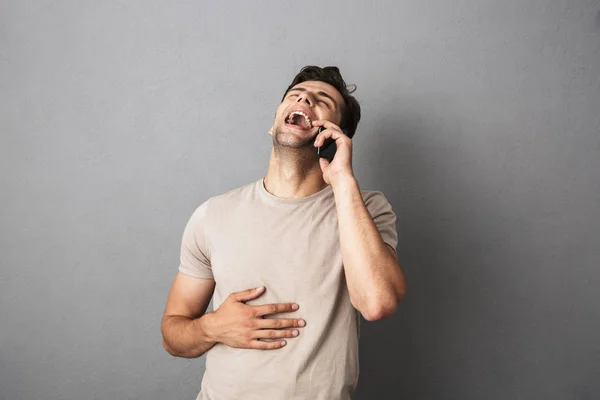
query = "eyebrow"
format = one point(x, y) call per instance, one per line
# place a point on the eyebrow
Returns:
point(322, 94)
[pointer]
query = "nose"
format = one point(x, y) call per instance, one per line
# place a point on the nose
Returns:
point(305, 97)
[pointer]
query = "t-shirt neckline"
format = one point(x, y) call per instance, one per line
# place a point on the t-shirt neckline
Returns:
point(271, 198)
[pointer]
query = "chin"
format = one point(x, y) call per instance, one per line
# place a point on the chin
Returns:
point(289, 141)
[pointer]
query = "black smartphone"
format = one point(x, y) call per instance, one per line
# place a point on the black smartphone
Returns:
point(328, 149)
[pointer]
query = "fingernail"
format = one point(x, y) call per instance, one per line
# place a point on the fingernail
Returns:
point(259, 288)
point(295, 306)
point(301, 322)
point(295, 333)
point(283, 343)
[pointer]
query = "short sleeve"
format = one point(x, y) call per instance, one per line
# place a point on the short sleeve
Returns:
point(195, 254)
point(383, 216)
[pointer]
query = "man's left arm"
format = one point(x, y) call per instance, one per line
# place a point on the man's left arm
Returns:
point(375, 280)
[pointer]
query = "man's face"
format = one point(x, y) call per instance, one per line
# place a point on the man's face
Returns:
point(304, 103)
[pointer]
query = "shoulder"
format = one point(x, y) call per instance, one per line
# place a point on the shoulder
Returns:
point(225, 201)
point(373, 197)
point(234, 195)
point(376, 202)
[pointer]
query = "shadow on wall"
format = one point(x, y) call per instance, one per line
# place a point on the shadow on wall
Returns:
point(423, 351)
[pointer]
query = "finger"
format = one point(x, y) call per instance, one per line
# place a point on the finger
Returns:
point(249, 294)
point(336, 135)
point(278, 323)
point(276, 333)
point(326, 124)
point(323, 162)
point(275, 308)
point(262, 345)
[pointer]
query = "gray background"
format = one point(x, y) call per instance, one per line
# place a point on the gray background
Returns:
point(481, 125)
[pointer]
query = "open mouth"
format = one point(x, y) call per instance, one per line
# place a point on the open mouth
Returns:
point(299, 119)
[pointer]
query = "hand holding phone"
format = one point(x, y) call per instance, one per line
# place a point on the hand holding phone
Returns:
point(329, 148)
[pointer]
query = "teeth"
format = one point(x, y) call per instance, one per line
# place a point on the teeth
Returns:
point(308, 123)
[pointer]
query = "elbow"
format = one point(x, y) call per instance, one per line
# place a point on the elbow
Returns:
point(384, 307)
point(401, 292)
point(380, 309)
point(167, 347)
point(175, 353)
point(379, 313)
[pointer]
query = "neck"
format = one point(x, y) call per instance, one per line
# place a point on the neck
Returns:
point(293, 175)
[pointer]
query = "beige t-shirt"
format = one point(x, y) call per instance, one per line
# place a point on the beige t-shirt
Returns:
point(247, 238)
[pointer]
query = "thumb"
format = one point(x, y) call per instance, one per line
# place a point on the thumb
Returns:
point(323, 162)
point(249, 294)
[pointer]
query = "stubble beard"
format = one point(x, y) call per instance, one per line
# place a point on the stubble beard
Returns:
point(289, 145)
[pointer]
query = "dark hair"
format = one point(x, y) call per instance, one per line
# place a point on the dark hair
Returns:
point(332, 76)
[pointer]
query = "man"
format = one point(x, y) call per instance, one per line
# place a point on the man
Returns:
point(289, 261)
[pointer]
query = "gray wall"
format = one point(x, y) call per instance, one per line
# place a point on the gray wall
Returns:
point(481, 125)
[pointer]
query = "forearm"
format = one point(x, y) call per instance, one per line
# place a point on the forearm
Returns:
point(374, 278)
point(186, 337)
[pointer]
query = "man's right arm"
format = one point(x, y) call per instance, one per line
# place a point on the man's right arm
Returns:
point(188, 331)
point(182, 323)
